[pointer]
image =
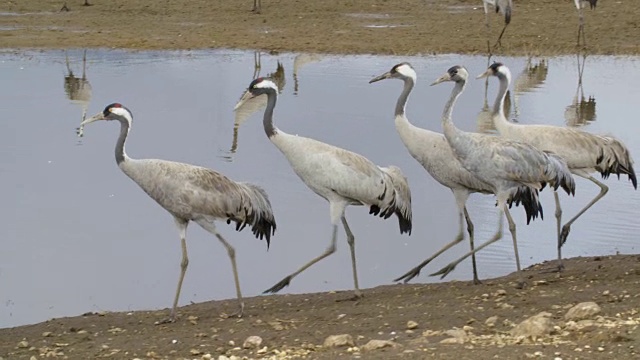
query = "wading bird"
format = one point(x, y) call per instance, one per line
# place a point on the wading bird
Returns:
point(584, 153)
point(506, 165)
point(341, 177)
point(503, 6)
point(193, 193)
point(257, 6)
point(579, 5)
point(433, 152)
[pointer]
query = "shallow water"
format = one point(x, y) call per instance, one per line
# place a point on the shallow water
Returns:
point(78, 235)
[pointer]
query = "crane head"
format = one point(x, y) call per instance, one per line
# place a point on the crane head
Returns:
point(496, 69)
point(402, 70)
point(455, 73)
point(113, 111)
point(257, 87)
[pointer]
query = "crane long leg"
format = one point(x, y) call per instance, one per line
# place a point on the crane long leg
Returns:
point(337, 212)
point(210, 227)
point(351, 240)
point(512, 230)
point(182, 227)
point(558, 226)
point(497, 236)
point(476, 280)
point(461, 199)
point(498, 43)
point(567, 227)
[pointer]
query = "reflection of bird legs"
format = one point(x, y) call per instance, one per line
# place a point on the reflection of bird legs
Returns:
point(256, 64)
point(234, 142)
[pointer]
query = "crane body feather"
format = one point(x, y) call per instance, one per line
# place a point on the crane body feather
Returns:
point(189, 192)
point(334, 173)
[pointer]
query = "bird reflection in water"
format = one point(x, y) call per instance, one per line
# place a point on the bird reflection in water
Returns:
point(78, 89)
point(256, 104)
point(582, 110)
point(298, 62)
point(532, 77)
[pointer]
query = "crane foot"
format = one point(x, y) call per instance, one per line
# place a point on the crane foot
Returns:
point(279, 286)
point(445, 270)
point(410, 274)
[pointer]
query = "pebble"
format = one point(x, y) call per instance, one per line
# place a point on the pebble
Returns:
point(47, 333)
point(252, 342)
point(412, 325)
point(23, 344)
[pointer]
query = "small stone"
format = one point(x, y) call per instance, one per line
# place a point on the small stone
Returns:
point(23, 344)
point(378, 344)
point(232, 343)
point(252, 342)
point(341, 316)
point(582, 311)
point(206, 357)
point(491, 322)
point(535, 326)
point(411, 325)
point(81, 332)
point(262, 351)
point(606, 293)
point(538, 353)
point(339, 340)
point(195, 352)
point(47, 334)
point(222, 357)
point(501, 292)
point(467, 328)
point(600, 348)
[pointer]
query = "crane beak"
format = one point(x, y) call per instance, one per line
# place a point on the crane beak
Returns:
point(484, 74)
point(443, 78)
point(96, 117)
point(381, 77)
point(245, 97)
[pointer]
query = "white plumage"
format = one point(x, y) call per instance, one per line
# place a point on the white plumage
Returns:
point(584, 153)
point(433, 152)
point(505, 165)
point(193, 193)
point(341, 177)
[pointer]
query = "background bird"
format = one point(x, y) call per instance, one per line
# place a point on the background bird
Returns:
point(503, 6)
point(584, 153)
point(433, 152)
point(341, 177)
point(193, 193)
point(580, 4)
point(506, 165)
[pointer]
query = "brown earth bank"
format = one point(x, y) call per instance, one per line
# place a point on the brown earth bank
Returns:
point(454, 320)
point(406, 27)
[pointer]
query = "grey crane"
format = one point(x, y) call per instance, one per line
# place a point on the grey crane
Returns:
point(584, 153)
point(193, 193)
point(433, 152)
point(341, 177)
point(257, 6)
point(504, 164)
point(503, 6)
point(579, 5)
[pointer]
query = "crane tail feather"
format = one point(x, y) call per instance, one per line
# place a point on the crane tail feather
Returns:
point(256, 212)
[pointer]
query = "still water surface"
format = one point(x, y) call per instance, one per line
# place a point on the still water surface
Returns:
point(78, 235)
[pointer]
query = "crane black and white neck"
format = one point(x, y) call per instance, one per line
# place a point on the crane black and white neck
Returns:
point(339, 176)
point(584, 153)
point(193, 193)
point(503, 6)
point(506, 165)
point(432, 151)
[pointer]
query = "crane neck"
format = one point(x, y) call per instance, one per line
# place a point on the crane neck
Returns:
point(402, 99)
point(267, 120)
point(498, 106)
point(447, 123)
point(121, 154)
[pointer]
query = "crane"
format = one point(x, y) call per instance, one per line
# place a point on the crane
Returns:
point(339, 176)
point(503, 6)
point(433, 152)
point(505, 165)
point(257, 6)
point(584, 153)
point(579, 5)
point(193, 193)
